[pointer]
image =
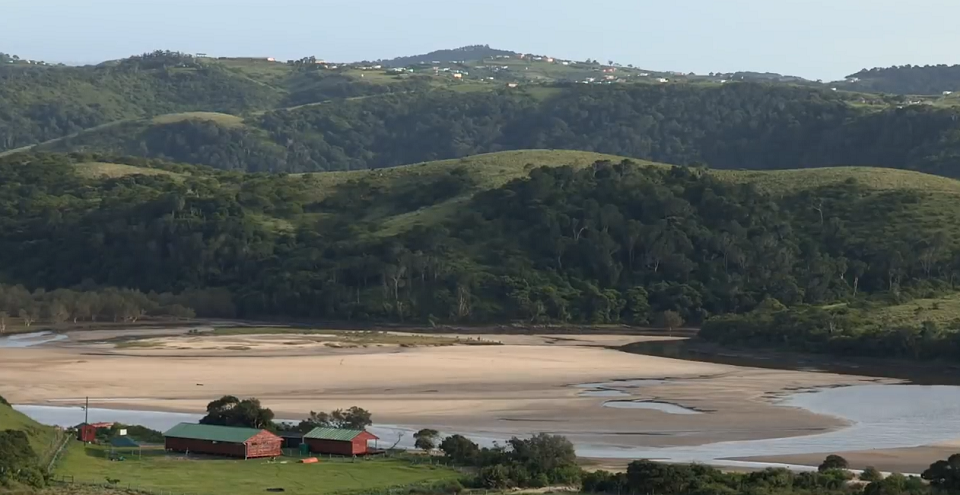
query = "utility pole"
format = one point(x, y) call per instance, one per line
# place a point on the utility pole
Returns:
point(86, 411)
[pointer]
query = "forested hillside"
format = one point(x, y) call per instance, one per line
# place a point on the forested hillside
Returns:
point(908, 79)
point(605, 243)
point(40, 103)
point(750, 126)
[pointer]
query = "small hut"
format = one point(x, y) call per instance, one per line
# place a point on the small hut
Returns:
point(87, 432)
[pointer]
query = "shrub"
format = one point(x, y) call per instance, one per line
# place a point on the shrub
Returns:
point(833, 462)
point(870, 474)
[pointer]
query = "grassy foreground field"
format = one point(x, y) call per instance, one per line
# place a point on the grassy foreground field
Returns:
point(160, 471)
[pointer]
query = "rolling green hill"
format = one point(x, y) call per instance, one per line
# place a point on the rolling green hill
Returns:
point(464, 54)
point(533, 235)
point(42, 103)
point(735, 126)
point(43, 439)
point(490, 171)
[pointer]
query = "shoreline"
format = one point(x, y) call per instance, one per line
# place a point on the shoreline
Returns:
point(531, 383)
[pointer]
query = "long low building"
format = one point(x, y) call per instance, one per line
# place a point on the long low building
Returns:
point(338, 441)
point(246, 443)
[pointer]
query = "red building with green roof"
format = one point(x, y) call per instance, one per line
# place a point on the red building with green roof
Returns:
point(246, 443)
point(339, 441)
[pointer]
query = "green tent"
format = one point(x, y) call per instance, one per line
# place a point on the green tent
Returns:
point(124, 443)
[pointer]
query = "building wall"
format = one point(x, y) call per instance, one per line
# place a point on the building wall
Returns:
point(205, 447)
point(87, 433)
point(360, 444)
point(264, 444)
point(330, 446)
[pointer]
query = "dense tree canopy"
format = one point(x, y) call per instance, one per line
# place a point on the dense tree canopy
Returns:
point(908, 79)
point(41, 103)
point(232, 411)
point(745, 125)
point(606, 244)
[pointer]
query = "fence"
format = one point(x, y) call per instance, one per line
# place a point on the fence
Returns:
point(63, 439)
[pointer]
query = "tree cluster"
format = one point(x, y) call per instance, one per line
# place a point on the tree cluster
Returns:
point(645, 476)
point(908, 79)
point(62, 305)
point(840, 330)
point(249, 413)
point(540, 461)
point(232, 411)
point(354, 418)
point(462, 54)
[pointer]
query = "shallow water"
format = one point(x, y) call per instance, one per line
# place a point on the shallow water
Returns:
point(603, 393)
point(31, 339)
point(646, 404)
point(882, 416)
point(620, 384)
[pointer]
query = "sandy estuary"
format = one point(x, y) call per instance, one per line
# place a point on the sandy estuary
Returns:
point(613, 405)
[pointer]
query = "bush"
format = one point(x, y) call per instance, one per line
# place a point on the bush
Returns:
point(460, 450)
point(496, 477)
point(447, 487)
point(4, 401)
point(15, 451)
point(833, 462)
point(870, 474)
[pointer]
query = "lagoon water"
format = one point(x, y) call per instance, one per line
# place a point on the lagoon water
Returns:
point(881, 416)
point(649, 404)
point(31, 339)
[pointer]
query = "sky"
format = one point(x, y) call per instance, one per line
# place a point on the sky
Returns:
point(817, 39)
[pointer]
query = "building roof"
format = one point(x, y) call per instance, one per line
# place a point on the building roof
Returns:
point(227, 434)
point(124, 442)
point(339, 434)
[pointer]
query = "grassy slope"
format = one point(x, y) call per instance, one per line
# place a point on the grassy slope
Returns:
point(489, 171)
point(43, 439)
point(938, 211)
point(158, 471)
point(114, 170)
point(492, 170)
point(944, 309)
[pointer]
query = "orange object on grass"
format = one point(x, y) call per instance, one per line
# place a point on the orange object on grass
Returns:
point(309, 460)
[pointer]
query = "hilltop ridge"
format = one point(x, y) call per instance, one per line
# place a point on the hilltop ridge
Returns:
point(471, 53)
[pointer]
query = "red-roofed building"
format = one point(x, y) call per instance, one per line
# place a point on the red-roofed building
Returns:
point(87, 432)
